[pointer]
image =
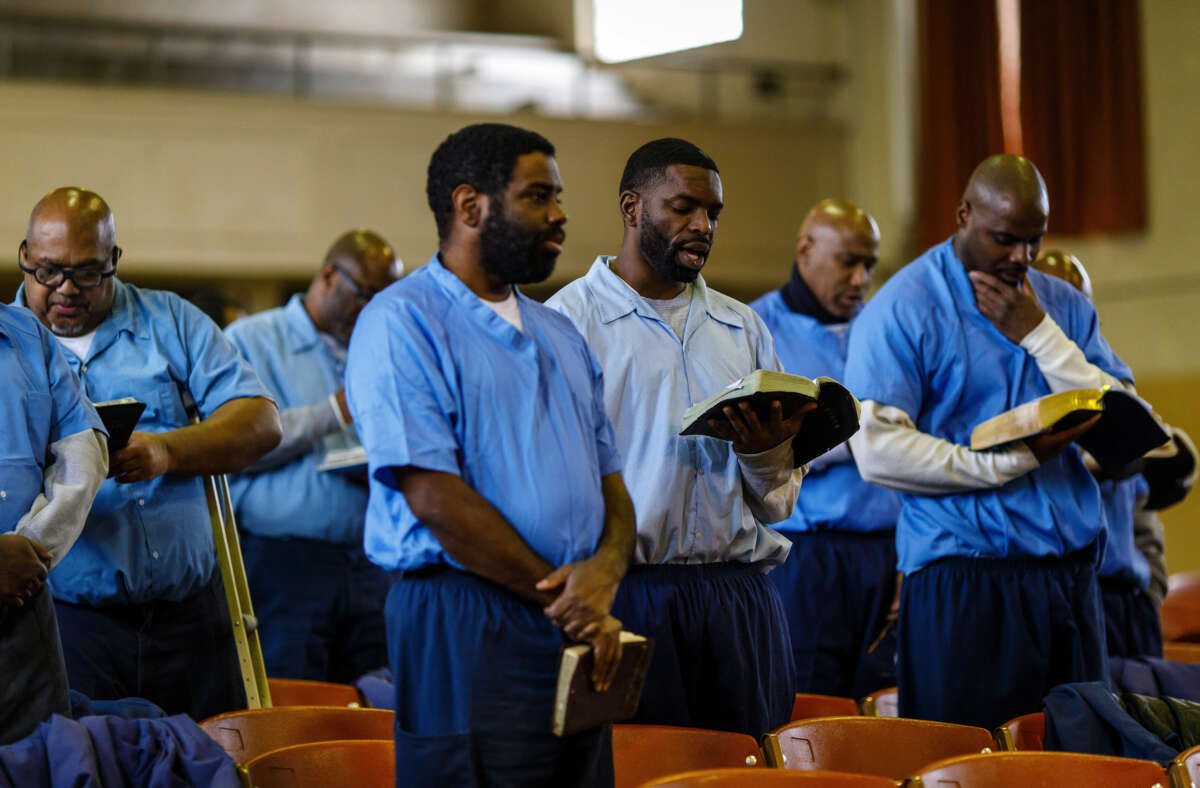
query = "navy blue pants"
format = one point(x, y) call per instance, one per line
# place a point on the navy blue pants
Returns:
point(722, 655)
point(178, 655)
point(983, 640)
point(837, 587)
point(1131, 621)
point(33, 679)
point(319, 606)
point(476, 669)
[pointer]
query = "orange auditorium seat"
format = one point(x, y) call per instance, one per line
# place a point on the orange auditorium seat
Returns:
point(807, 706)
point(886, 746)
point(768, 778)
point(882, 703)
point(647, 752)
point(297, 692)
point(247, 734)
point(1182, 652)
point(1039, 770)
point(361, 764)
point(1185, 769)
point(1027, 732)
point(1180, 611)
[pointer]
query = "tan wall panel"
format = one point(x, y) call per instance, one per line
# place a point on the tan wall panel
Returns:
point(1175, 398)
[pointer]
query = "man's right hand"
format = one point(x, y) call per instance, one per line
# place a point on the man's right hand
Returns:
point(23, 567)
point(1048, 445)
point(605, 639)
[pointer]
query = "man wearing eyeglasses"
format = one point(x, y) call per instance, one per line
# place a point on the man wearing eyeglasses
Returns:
point(319, 599)
point(139, 601)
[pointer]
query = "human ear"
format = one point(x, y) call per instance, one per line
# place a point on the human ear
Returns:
point(629, 202)
point(803, 244)
point(468, 205)
point(962, 214)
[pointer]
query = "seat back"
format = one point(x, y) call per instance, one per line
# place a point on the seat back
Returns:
point(1185, 769)
point(647, 752)
point(882, 703)
point(887, 746)
point(362, 764)
point(249, 733)
point(1182, 652)
point(297, 692)
point(1038, 770)
point(1180, 610)
point(770, 778)
point(806, 706)
point(1027, 732)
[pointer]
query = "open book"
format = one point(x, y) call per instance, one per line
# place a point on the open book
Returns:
point(834, 420)
point(1127, 428)
point(348, 460)
point(577, 704)
point(120, 416)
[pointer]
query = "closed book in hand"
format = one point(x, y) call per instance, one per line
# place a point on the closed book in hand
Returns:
point(1127, 428)
point(577, 704)
point(834, 420)
point(120, 416)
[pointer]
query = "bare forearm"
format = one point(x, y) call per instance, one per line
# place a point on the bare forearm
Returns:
point(474, 533)
point(235, 435)
point(620, 524)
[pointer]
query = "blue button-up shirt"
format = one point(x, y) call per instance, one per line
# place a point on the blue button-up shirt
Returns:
point(295, 499)
point(1122, 560)
point(687, 491)
point(41, 402)
point(437, 380)
point(922, 345)
point(152, 539)
point(834, 495)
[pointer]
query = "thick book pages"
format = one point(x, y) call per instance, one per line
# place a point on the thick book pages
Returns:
point(120, 416)
point(1127, 428)
point(577, 704)
point(349, 460)
point(834, 420)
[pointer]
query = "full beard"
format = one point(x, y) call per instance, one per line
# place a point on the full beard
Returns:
point(513, 254)
point(662, 255)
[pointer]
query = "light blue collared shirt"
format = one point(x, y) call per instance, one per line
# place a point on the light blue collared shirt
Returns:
point(294, 499)
point(922, 345)
point(437, 380)
point(153, 539)
point(689, 492)
point(834, 496)
point(41, 402)
point(1122, 560)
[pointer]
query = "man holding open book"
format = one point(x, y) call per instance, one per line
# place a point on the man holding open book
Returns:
point(999, 548)
point(496, 497)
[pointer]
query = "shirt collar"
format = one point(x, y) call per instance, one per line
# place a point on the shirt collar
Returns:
point(458, 291)
point(301, 331)
point(615, 298)
point(122, 316)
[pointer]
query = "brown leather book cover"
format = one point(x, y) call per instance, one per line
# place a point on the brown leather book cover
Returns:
point(578, 706)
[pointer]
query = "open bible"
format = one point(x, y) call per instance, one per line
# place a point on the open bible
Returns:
point(834, 420)
point(1127, 428)
point(120, 416)
point(577, 704)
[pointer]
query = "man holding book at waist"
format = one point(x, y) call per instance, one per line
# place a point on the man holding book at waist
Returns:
point(496, 497)
point(139, 599)
point(53, 458)
point(722, 656)
point(319, 599)
point(839, 580)
point(998, 548)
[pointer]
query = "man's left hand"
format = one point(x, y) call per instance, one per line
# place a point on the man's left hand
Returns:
point(144, 457)
point(588, 588)
point(1015, 311)
point(750, 435)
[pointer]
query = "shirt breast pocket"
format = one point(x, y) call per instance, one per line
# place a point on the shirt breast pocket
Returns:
point(164, 408)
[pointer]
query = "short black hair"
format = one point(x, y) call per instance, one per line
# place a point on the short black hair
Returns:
point(650, 162)
point(482, 155)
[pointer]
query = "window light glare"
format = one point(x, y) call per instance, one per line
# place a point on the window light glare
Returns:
point(631, 29)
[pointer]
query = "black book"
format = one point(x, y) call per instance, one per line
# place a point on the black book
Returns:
point(120, 416)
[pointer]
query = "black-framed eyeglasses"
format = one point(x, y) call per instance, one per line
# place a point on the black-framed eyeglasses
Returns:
point(83, 278)
point(361, 294)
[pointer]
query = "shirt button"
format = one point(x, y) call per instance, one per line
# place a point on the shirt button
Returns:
point(155, 554)
point(83, 368)
point(3, 495)
point(142, 502)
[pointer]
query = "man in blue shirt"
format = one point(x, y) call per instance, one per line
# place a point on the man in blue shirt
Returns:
point(318, 598)
point(496, 498)
point(53, 457)
point(722, 655)
point(139, 601)
point(998, 548)
point(1133, 554)
point(839, 579)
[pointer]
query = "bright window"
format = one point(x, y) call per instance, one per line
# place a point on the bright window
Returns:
point(630, 29)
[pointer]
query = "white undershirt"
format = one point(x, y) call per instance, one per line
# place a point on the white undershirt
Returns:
point(507, 309)
point(674, 311)
point(78, 345)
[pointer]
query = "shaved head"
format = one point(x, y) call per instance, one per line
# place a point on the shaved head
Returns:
point(1066, 267)
point(357, 265)
point(1002, 218)
point(837, 248)
point(70, 230)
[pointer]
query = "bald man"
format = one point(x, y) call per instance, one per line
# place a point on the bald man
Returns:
point(1133, 575)
point(838, 581)
point(999, 548)
point(139, 601)
point(319, 599)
